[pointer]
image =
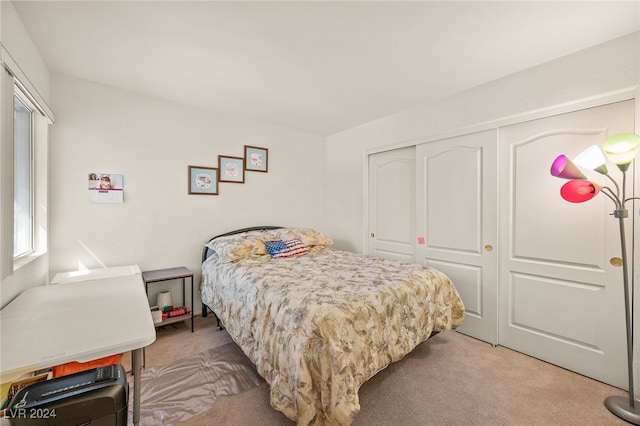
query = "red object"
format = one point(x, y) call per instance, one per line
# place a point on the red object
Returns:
point(76, 367)
point(171, 311)
point(579, 190)
point(180, 310)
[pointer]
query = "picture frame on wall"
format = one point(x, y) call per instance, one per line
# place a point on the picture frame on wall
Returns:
point(256, 159)
point(203, 180)
point(231, 169)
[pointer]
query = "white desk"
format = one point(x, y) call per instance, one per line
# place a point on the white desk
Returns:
point(104, 314)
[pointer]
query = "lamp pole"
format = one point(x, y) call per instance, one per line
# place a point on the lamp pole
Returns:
point(621, 150)
point(625, 408)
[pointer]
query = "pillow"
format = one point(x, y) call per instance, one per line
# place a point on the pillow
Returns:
point(239, 246)
point(309, 237)
point(279, 249)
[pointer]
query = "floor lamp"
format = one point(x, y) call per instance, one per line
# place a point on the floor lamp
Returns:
point(621, 150)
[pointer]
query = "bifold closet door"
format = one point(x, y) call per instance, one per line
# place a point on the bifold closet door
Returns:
point(457, 222)
point(561, 297)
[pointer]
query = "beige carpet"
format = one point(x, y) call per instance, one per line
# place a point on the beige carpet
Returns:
point(450, 380)
point(183, 388)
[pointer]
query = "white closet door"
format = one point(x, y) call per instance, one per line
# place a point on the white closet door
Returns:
point(457, 222)
point(392, 204)
point(561, 299)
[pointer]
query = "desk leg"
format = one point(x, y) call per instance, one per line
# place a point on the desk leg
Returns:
point(137, 371)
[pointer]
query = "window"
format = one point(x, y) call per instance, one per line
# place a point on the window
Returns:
point(24, 188)
point(23, 241)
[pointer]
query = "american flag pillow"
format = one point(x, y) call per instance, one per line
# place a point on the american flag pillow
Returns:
point(289, 248)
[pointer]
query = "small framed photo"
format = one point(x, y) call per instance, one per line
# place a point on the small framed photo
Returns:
point(256, 159)
point(203, 180)
point(231, 169)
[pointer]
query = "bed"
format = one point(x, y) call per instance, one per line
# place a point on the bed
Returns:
point(319, 322)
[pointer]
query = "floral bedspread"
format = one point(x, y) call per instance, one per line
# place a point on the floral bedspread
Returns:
point(320, 325)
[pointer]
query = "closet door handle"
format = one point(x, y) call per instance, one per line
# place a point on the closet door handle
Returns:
point(373, 235)
point(616, 261)
point(488, 248)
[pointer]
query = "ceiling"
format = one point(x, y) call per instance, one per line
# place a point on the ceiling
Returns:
point(320, 67)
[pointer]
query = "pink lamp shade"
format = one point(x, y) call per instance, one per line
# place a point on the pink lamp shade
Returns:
point(564, 168)
point(579, 190)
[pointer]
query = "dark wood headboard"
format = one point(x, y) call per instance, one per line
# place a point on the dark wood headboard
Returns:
point(206, 252)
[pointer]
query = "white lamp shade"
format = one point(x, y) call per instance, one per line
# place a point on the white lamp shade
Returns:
point(592, 158)
point(164, 299)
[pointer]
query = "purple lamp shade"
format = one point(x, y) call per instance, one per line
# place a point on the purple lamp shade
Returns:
point(579, 190)
point(564, 168)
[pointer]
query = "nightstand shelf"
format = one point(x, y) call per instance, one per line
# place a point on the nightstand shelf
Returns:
point(159, 275)
point(174, 320)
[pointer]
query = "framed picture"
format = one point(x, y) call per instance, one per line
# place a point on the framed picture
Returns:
point(256, 159)
point(203, 180)
point(231, 169)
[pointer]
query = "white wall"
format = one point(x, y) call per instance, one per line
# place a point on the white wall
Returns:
point(152, 142)
point(602, 69)
point(607, 67)
point(17, 43)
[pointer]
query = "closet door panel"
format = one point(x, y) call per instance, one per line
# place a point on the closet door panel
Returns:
point(452, 193)
point(457, 222)
point(561, 299)
point(391, 219)
point(535, 190)
point(468, 282)
point(578, 301)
